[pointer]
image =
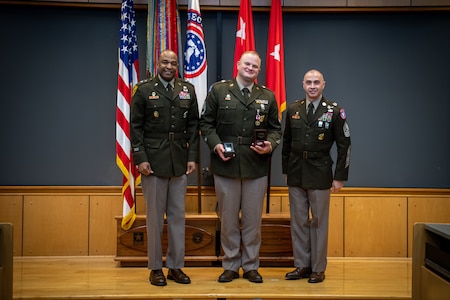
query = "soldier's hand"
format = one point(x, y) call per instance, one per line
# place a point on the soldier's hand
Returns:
point(219, 149)
point(267, 148)
point(144, 168)
point(337, 186)
point(190, 167)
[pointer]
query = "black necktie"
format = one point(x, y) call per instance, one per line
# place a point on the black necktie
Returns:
point(169, 90)
point(310, 113)
point(246, 93)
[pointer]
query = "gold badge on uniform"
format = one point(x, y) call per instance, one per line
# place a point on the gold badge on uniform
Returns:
point(321, 136)
point(156, 114)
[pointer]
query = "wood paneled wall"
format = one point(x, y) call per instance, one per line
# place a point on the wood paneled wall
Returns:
point(364, 222)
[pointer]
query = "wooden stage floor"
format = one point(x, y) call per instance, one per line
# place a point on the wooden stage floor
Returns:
point(96, 277)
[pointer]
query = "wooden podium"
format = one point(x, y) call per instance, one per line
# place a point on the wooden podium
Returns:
point(202, 240)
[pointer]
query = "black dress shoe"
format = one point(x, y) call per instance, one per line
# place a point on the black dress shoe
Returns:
point(228, 276)
point(316, 277)
point(299, 273)
point(157, 278)
point(253, 276)
point(178, 276)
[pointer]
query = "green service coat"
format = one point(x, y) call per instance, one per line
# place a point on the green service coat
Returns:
point(228, 118)
point(164, 130)
point(306, 146)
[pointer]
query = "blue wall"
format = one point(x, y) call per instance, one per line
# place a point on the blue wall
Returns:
point(390, 71)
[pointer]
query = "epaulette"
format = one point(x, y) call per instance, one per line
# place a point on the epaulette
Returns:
point(184, 81)
point(144, 81)
point(329, 102)
point(223, 81)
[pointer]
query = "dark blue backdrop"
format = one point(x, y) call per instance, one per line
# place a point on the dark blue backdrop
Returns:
point(390, 71)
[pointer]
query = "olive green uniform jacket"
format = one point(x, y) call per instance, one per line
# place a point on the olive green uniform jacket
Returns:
point(164, 130)
point(228, 118)
point(306, 146)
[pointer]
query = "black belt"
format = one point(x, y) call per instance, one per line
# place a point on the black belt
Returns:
point(314, 154)
point(171, 136)
point(239, 140)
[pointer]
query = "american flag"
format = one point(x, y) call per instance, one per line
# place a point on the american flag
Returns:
point(128, 77)
point(195, 67)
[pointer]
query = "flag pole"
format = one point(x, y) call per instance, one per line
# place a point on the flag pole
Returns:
point(195, 70)
point(268, 186)
point(275, 68)
point(199, 181)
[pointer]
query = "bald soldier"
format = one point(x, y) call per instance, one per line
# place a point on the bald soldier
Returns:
point(313, 125)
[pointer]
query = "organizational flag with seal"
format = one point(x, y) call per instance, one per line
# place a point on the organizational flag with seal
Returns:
point(195, 66)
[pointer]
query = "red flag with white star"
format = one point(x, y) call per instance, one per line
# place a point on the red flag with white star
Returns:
point(275, 57)
point(245, 36)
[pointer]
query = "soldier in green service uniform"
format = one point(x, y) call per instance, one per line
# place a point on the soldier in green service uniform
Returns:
point(164, 138)
point(233, 110)
point(313, 125)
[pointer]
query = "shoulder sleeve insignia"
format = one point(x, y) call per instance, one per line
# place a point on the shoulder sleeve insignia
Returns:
point(342, 114)
point(135, 87)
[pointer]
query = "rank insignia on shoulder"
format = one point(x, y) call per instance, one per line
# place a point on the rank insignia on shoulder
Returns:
point(143, 80)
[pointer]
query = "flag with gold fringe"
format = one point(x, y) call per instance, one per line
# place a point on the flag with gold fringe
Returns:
point(128, 76)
